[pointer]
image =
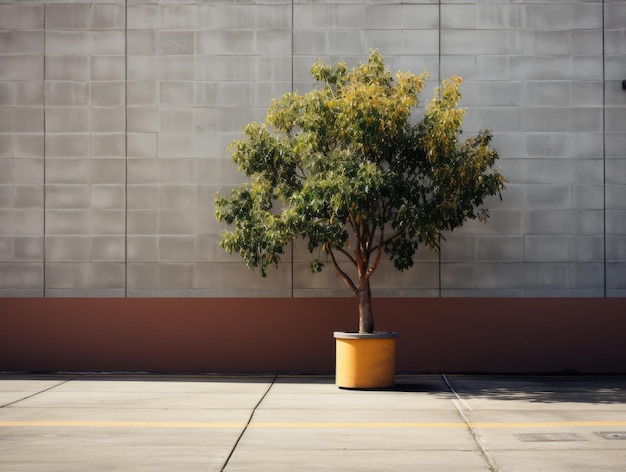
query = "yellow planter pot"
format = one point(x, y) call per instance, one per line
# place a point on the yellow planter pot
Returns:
point(365, 360)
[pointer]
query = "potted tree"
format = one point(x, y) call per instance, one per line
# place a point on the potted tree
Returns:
point(348, 168)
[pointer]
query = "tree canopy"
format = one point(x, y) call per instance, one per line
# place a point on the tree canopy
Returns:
point(349, 169)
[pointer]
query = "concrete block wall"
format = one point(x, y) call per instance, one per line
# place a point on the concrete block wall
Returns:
point(115, 117)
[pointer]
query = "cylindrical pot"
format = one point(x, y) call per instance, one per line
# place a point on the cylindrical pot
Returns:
point(366, 361)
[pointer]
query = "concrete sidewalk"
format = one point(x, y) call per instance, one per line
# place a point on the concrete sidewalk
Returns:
point(265, 423)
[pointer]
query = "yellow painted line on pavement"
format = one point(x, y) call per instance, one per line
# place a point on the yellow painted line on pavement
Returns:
point(301, 425)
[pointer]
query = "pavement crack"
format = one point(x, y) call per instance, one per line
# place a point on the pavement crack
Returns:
point(458, 401)
point(245, 428)
point(38, 393)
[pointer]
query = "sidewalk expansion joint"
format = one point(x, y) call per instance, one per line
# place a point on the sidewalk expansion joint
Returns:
point(247, 425)
point(39, 393)
point(457, 402)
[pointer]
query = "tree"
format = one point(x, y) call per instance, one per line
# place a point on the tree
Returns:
point(346, 168)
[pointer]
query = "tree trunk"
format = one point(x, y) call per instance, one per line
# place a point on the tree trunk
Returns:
point(366, 318)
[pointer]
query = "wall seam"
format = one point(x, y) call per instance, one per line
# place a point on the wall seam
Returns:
point(126, 149)
point(604, 220)
point(44, 154)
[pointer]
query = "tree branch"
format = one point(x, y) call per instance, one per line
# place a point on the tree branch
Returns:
point(345, 277)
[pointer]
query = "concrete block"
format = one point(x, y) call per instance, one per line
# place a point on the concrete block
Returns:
point(76, 222)
point(547, 196)
point(562, 222)
point(175, 68)
point(547, 94)
point(67, 275)
point(178, 221)
point(108, 196)
point(496, 67)
point(173, 145)
point(142, 42)
point(615, 248)
point(108, 16)
point(142, 276)
point(143, 17)
point(21, 16)
point(107, 222)
point(616, 278)
point(586, 42)
point(68, 248)
point(142, 68)
point(29, 93)
point(236, 17)
point(561, 120)
point(21, 275)
point(615, 145)
point(141, 248)
point(108, 145)
point(67, 93)
point(7, 94)
point(107, 275)
point(176, 94)
point(67, 120)
point(108, 67)
point(176, 42)
point(563, 248)
point(176, 119)
point(21, 67)
point(458, 16)
point(65, 196)
point(352, 16)
point(274, 16)
point(309, 16)
point(588, 197)
point(67, 171)
point(27, 171)
point(178, 171)
point(67, 68)
point(141, 94)
point(176, 275)
point(616, 196)
point(178, 196)
point(235, 277)
point(107, 94)
point(500, 248)
point(226, 68)
point(6, 249)
point(180, 17)
point(142, 222)
point(68, 17)
point(205, 93)
point(21, 43)
point(143, 196)
point(616, 222)
point(141, 145)
point(28, 145)
point(28, 248)
point(176, 248)
point(108, 171)
point(22, 222)
point(563, 16)
point(547, 43)
point(26, 119)
point(69, 43)
point(491, 94)
point(273, 42)
point(143, 171)
point(420, 42)
point(6, 196)
point(143, 119)
point(481, 42)
point(235, 93)
point(28, 196)
point(225, 42)
point(108, 249)
point(108, 120)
